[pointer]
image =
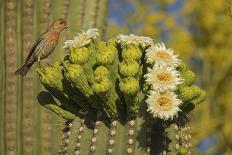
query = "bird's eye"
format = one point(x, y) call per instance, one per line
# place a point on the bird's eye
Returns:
point(61, 22)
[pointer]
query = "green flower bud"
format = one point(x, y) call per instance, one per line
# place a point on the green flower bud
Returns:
point(92, 54)
point(79, 55)
point(51, 76)
point(182, 68)
point(189, 77)
point(75, 74)
point(182, 151)
point(102, 81)
point(101, 84)
point(189, 93)
point(128, 68)
point(112, 42)
point(129, 86)
point(131, 52)
point(106, 55)
point(199, 99)
point(101, 71)
point(101, 45)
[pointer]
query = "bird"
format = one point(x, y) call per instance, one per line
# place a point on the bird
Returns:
point(43, 46)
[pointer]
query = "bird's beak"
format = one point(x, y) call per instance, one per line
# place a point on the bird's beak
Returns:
point(66, 26)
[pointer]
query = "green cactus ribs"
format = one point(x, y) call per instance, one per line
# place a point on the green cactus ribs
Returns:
point(127, 83)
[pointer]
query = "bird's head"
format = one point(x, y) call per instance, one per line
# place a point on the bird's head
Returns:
point(59, 24)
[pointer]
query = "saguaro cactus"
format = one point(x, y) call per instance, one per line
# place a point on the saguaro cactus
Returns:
point(120, 96)
point(25, 128)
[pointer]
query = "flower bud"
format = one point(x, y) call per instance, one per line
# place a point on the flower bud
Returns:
point(51, 76)
point(128, 68)
point(189, 93)
point(106, 55)
point(129, 86)
point(182, 68)
point(131, 52)
point(189, 77)
point(79, 55)
point(199, 99)
point(101, 71)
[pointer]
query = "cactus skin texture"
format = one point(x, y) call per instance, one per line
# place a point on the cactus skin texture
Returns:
point(25, 127)
point(99, 90)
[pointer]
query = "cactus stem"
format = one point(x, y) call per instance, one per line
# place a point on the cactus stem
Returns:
point(95, 13)
point(47, 11)
point(10, 94)
point(65, 138)
point(165, 138)
point(65, 13)
point(183, 137)
point(80, 132)
point(95, 132)
point(112, 133)
point(82, 12)
point(148, 138)
point(28, 106)
point(45, 115)
point(131, 137)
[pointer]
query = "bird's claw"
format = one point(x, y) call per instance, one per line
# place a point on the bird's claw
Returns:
point(48, 64)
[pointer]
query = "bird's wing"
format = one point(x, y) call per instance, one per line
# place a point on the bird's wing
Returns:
point(32, 49)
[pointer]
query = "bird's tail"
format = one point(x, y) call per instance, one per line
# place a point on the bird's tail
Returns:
point(24, 69)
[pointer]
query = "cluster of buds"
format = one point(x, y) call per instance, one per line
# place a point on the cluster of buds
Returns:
point(109, 77)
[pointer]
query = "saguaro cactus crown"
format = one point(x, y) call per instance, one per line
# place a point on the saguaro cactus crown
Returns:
point(117, 89)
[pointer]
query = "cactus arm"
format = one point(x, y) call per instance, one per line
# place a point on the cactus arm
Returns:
point(2, 74)
point(37, 141)
point(91, 14)
point(142, 132)
point(76, 124)
point(20, 141)
point(82, 12)
point(11, 83)
point(101, 137)
point(85, 140)
point(120, 139)
point(75, 16)
point(28, 106)
point(102, 16)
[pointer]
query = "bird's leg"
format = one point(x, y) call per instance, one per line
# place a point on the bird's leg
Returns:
point(39, 61)
point(48, 63)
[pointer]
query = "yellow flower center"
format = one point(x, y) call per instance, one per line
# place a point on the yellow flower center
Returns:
point(164, 103)
point(161, 55)
point(164, 77)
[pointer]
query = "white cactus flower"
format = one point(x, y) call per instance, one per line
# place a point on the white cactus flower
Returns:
point(165, 106)
point(163, 78)
point(160, 54)
point(134, 39)
point(83, 38)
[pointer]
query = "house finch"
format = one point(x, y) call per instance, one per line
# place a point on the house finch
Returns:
point(43, 46)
